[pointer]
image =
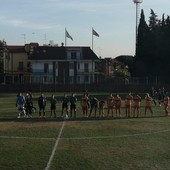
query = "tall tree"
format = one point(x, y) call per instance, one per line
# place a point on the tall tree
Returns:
point(141, 52)
point(153, 20)
point(153, 52)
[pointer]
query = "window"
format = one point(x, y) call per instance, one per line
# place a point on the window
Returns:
point(86, 67)
point(86, 79)
point(73, 55)
point(71, 79)
point(56, 79)
point(21, 66)
point(78, 79)
point(29, 66)
point(78, 66)
point(56, 66)
point(71, 65)
point(46, 68)
point(45, 79)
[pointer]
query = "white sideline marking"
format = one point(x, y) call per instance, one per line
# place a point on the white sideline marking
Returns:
point(55, 147)
point(90, 137)
point(118, 136)
point(22, 137)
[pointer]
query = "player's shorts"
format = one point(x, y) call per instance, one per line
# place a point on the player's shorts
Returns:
point(65, 105)
point(128, 105)
point(53, 107)
point(117, 106)
point(93, 106)
point(73, 106)
point(42, 107)
point(21, 107)
point(110, 106)
point(84, 107)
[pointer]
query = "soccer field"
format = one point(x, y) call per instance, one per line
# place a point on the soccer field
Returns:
point(103, 144)
point(85, 144)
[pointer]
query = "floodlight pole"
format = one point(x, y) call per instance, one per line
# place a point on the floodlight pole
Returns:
point(137, 2)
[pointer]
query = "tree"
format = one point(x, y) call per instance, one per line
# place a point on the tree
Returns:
point(126, 70)
point(142, 47)
point(153, 52)
point(127, 60)
point(124, 73)
point(2, 50)
point(153, 20)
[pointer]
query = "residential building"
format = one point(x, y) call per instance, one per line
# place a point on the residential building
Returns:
point(63, 65)
point(51, 65)
point(15, 64)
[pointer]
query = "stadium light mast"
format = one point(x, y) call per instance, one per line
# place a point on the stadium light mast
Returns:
point(137, 2)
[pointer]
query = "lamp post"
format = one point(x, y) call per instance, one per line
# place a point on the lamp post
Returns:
point(137, 2)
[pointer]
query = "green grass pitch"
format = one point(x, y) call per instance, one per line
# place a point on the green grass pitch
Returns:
point(82, 144)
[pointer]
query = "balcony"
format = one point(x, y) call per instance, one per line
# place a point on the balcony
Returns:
point(41, 72)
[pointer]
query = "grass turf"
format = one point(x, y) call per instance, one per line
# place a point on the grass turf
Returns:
point(138, 143)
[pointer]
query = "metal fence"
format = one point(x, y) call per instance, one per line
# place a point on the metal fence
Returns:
point(34, 79)
point(139, 80)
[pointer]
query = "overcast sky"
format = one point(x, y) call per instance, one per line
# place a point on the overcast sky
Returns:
point(44, 20)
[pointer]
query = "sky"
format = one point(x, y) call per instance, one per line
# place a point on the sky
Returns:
point(43, 21)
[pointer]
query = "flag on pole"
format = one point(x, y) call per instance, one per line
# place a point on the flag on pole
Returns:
point(68, 35)
point(94, 33)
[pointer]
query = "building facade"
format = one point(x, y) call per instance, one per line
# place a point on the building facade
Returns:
point(15, 65)
point(63, 65)
point(51, 65)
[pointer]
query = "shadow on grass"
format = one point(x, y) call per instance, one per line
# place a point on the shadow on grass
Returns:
point(59, 119)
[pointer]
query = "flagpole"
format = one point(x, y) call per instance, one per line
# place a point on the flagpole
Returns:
point(65, 38)
point(92, 38)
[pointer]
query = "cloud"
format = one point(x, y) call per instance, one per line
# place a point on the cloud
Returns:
point(77, 5)
point(26, 24)
point(12, 22)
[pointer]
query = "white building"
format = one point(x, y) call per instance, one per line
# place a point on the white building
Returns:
point(62, 65)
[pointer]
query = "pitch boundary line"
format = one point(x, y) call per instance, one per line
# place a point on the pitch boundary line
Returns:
point(92, 137)
point(31, 138)
point(118, 136)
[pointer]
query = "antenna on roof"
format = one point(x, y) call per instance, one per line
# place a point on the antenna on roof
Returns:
point(24, 37)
